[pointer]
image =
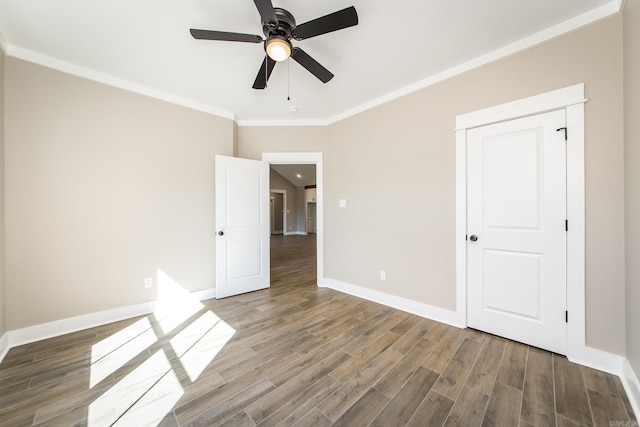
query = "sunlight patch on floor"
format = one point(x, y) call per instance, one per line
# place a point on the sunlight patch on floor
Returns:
point(198, 357)
point(106, 409)
point(155, 404)
point(151, 390)
point(120, 356)
point(112, 342)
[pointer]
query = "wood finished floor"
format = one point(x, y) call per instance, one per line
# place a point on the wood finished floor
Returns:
point(298, 355)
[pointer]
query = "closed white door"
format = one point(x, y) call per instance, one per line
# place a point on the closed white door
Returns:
point(242, 226)
point(516, 247)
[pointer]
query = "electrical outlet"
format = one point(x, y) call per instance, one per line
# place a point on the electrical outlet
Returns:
point(383, 275)
point(148, 282)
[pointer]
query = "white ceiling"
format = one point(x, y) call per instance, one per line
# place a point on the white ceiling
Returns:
point(397, 47)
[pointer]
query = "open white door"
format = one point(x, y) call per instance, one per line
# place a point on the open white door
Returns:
point(242, 225)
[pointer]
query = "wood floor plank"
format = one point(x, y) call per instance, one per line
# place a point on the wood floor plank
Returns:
point(413, 335)
point(442, 354)
point(483, 374)
point(454, 375)
point(607, 410)
point(363, 357)
point(571, 394)
point(469, 409)
point(266, 406)
point(566, 422)
point(403, 405)
point(304, 362)
point(344, 397)
point(625, 401)
point(538, 406)
point(364, 410)
point(504, 406)
point(295, 409)
point(599, 381)
point(512, 367)
point(370, 336)
point(396, 377)
point(313, 418)
point(433, 411)
point(438, 332)
point(231, 406)
point(241, 419)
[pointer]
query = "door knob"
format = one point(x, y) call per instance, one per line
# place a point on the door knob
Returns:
point(473, 238)
point(220, 233)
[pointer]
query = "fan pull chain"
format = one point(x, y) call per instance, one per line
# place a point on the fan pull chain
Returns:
point(289, 79)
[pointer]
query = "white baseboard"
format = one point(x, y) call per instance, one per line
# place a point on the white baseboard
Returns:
point(4, 345)
point(74, 324)
point(599, 359)
point(420, 309)
point(631, 386)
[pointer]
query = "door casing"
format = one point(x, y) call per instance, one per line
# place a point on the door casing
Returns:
point(571, 100)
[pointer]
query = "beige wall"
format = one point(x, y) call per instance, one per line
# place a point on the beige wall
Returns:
point(395, 165)
point(253, 141)
point(632, 181)
point(103, 188)
point(278, 182)
point(3, 327)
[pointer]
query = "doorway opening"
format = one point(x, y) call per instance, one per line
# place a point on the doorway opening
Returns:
point(294, 224)
point(300, 247)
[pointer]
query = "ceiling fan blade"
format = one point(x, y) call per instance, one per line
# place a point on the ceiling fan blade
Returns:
point(265, 72)
point(224, 36)
point(313, 66)
point(333, 22)
point(267, 13)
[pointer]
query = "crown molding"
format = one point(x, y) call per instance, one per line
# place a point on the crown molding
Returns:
point(66, 67)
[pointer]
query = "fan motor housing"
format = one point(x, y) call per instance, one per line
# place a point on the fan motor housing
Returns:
point(285, 26)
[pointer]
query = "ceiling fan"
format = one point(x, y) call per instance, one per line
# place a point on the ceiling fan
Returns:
point(279, 27)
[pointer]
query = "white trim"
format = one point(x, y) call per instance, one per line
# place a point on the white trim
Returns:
point(419, 309)
point(4, 345)
point(600, 360)
point(308, 158)
point(631, 385)
point(284, 123)
point(572, 100)
point(96, 76)
point(284, 212)
point(549, 101)
point(74, 324)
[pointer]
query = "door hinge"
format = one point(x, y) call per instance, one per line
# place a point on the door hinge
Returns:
point(566, 225)
point(566, 317)
point(566, 132)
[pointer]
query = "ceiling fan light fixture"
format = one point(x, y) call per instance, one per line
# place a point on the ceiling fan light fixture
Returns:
point(278, 48)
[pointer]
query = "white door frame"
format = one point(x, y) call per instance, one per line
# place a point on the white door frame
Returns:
point(572, 100)
point(284, 209)
point(307, 159)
